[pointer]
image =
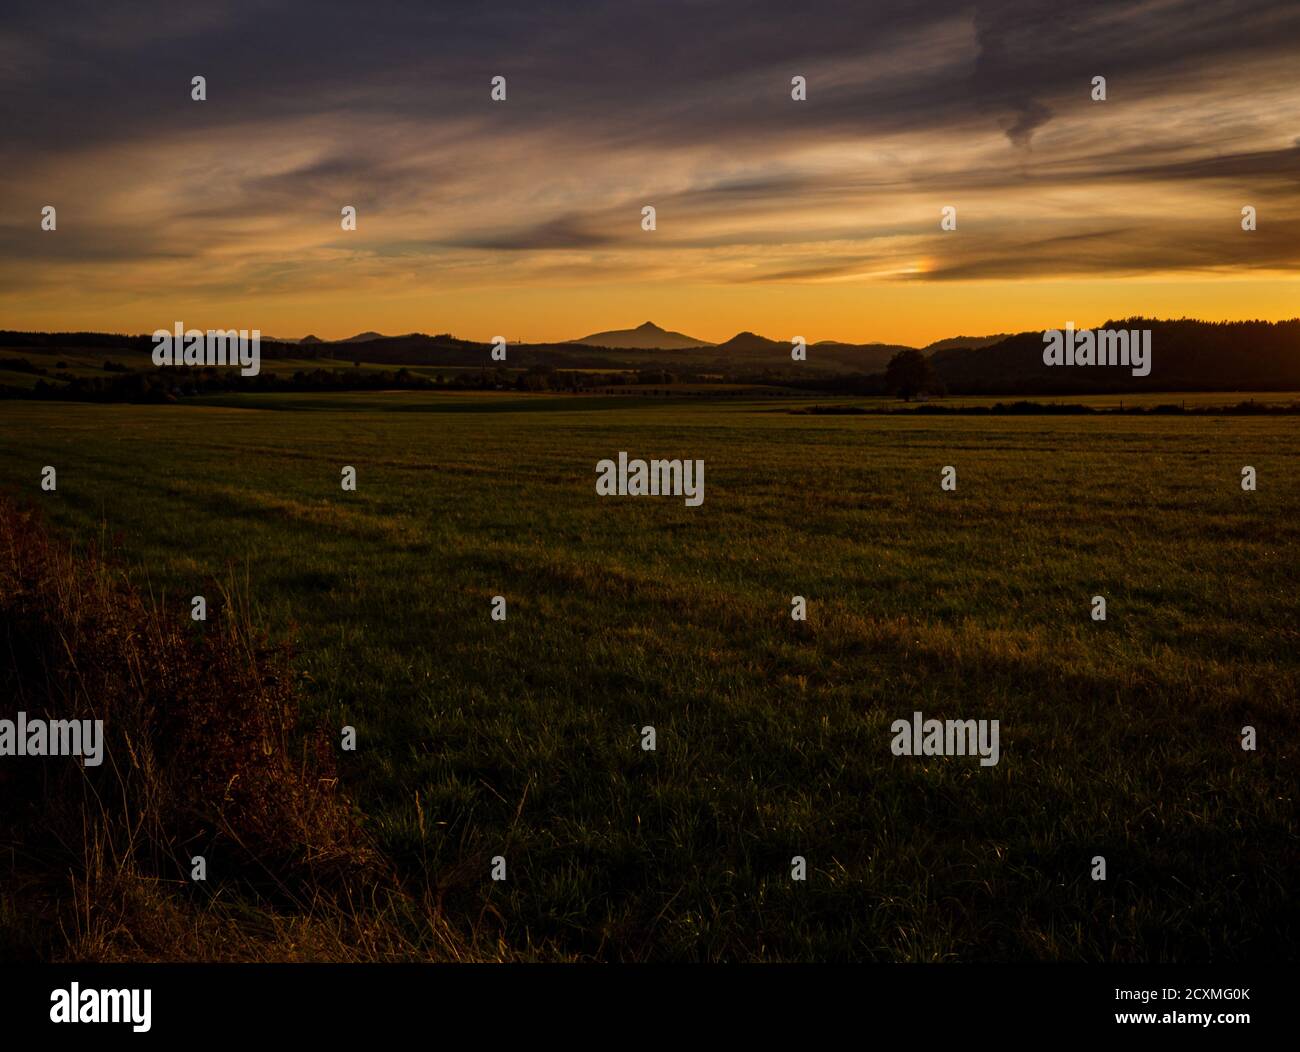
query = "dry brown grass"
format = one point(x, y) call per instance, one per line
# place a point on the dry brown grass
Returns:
point(204, 754)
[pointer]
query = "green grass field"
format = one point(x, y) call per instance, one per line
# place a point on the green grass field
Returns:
point(522, 738)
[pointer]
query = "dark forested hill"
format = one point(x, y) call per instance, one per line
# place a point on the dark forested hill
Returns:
point(1186, 355)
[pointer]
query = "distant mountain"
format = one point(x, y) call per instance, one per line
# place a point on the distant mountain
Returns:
point(823, 356)
point(854, 357)
point(750, 342)
point(964, 341)
point(643, 338)
point(1186, 355)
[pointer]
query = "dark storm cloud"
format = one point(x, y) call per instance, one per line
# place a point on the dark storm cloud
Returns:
point(385, 106)
point(572, 231)
point(1280, 168)
point(1110, 254)
point(631, 70)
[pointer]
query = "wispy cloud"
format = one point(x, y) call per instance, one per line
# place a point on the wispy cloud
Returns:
point(686, 106)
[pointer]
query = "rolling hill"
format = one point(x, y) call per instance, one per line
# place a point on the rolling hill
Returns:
point(648, 336)
point(1187, 355)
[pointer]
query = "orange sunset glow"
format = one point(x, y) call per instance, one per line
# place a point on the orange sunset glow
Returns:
point(522, 217)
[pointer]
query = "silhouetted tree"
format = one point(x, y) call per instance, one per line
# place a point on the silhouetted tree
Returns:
point(908, 374)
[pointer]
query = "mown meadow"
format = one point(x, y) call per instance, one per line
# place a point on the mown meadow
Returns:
point(522, 738)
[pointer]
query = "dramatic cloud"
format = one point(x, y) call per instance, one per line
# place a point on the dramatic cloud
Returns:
point(165, 202)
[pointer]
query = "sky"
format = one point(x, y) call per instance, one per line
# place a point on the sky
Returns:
point(523, 218)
